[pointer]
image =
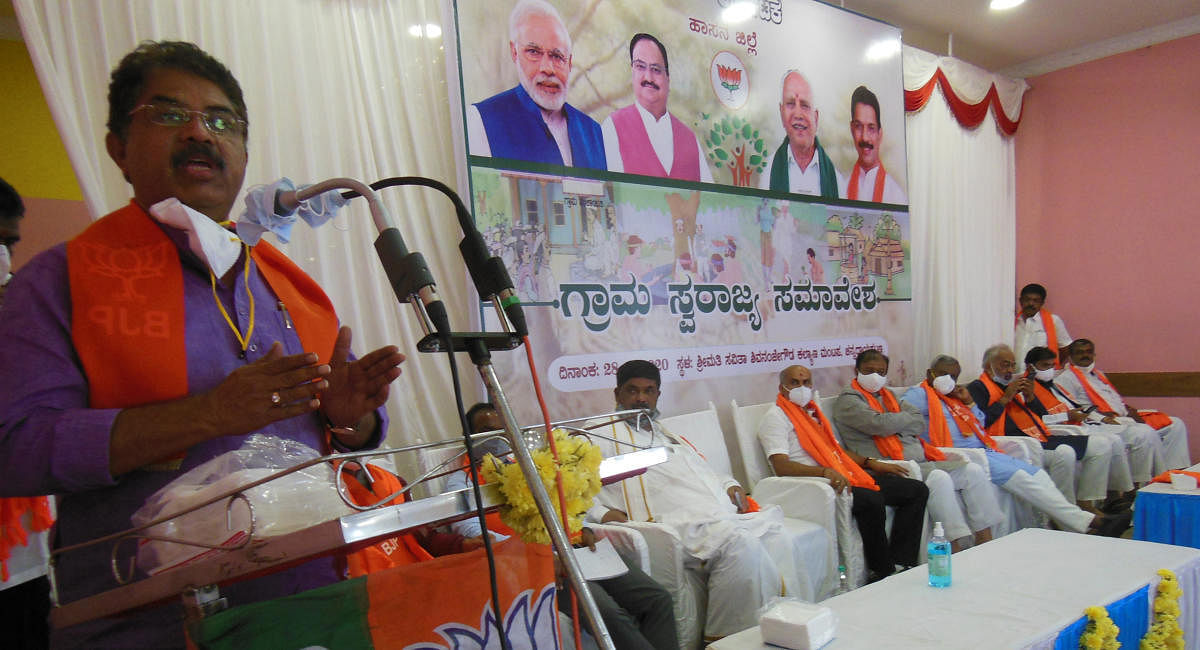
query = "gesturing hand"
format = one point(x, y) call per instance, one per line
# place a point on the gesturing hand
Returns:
point(357, 388)
point(271, 389)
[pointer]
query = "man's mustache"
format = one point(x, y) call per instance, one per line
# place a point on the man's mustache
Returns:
point(650, 84)
point(198, 150)
point(863, 144)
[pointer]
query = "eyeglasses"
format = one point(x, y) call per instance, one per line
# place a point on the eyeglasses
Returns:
point(219, 121)
point(654, 68)
point(534, 54)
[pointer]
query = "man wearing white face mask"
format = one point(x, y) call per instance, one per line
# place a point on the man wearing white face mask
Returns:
point(1086, 385)
point(956, 421)
point(1011, 408)
point(799, 441)
point(871, 421)
point(1064, 414)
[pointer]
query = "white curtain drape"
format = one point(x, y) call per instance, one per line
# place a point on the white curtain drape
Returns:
point(348, 92)
point(962, 193)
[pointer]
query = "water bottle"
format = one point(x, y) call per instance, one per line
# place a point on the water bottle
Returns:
point(843, 581)
point(939, 557)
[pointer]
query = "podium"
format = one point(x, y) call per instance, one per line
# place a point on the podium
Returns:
point(198, 583)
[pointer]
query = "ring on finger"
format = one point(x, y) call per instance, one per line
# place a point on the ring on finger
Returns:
point(276, 398)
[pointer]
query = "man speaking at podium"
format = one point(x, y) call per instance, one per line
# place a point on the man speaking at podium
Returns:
point(155, 341)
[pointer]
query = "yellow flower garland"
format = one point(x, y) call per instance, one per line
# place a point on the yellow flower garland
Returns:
point(579, 462)
point(1164, 632)
point(1101, 632)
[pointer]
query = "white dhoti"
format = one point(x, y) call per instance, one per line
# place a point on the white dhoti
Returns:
point(1144, 447)
point(1175, 445)
point(748, 560)
point(1040, 492)
point(978, 500)
point(1060, 465)
point(1094, 469)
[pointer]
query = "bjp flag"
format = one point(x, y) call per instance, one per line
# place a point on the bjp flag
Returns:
point(441, 604)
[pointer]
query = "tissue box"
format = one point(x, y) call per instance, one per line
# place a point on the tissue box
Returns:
point(797, 625)
point(1181, 481)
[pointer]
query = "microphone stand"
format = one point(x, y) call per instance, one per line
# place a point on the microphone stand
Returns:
point(478, 346)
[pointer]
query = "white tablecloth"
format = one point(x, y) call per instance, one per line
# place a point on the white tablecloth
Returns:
point(1018, 591)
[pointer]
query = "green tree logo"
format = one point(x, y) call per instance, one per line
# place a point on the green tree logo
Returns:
point(733, 143)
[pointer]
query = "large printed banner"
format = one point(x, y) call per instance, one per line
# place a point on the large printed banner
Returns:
point(708, 184)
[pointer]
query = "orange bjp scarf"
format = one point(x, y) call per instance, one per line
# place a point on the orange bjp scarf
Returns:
point(877, 191)
point(12, 529)
point(1046, 397)
point(890, 446)
point(818, 441)
point(127, 309)
point(1027, 421)
point(394, 551)
point(939, 429)
point(1156, 419)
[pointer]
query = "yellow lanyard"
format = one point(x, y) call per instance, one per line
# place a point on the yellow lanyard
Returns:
point(244, 341)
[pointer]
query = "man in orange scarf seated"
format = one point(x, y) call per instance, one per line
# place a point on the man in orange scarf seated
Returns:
point(1064, 414)
point(872, 422)
point(799, 441)
point(1011, 408)
point(1086, 385)
point(956, 421)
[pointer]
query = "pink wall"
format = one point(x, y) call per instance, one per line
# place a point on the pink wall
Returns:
point(1108, 204)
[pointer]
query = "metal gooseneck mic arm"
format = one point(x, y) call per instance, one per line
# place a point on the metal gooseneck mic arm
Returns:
point(491, 278)
point(407, 272)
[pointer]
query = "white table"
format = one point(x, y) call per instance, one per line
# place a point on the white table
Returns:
point(1018, 591)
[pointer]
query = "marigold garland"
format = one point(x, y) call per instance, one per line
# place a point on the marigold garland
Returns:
point(579, 462)
point(1101, 632)
point(1164, 632)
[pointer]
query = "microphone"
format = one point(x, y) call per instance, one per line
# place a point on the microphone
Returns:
point(491, 278)
point(487, 271)
point(408, 273)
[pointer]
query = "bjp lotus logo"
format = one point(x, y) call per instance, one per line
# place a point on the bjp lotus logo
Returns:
point(730, 82)
point(731, 78)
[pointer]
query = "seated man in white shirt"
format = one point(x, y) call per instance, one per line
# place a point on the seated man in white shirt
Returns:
point(1064, 414)
point(1086, 385)
point(799, 441)
point(637, 611)
point(747, 557)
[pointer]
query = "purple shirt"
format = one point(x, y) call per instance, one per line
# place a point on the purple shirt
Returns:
point(52, 443)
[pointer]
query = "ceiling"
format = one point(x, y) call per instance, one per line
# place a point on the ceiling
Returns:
point(1034, 38)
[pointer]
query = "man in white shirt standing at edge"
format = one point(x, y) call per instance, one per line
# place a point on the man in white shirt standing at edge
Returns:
point(644, 138)
point(747, 558)
point(1086, 385)
point(1035, 325)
